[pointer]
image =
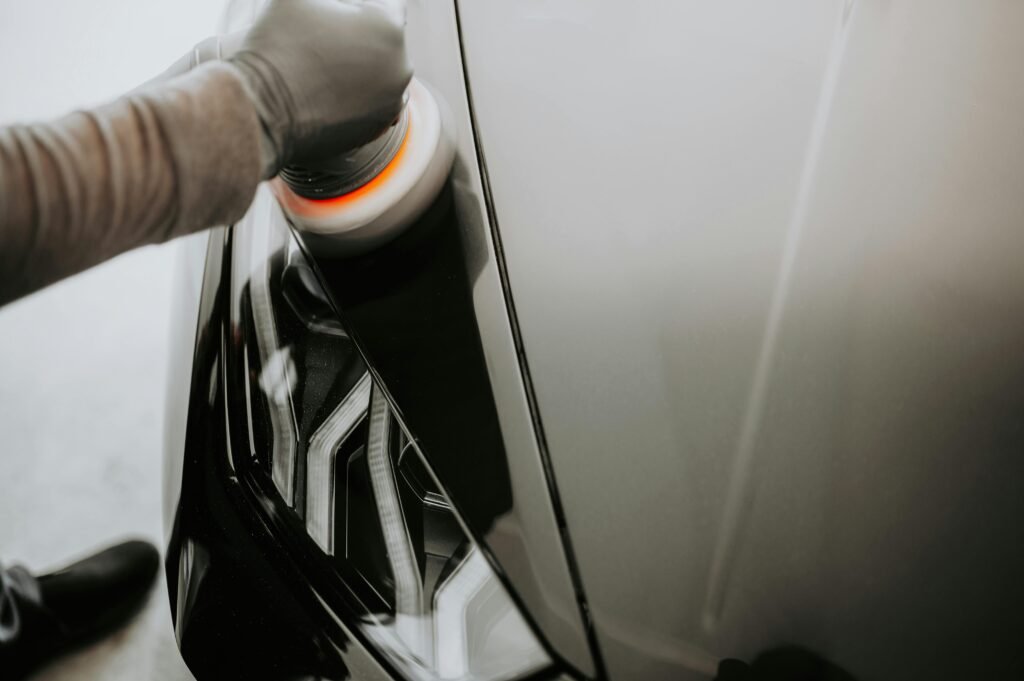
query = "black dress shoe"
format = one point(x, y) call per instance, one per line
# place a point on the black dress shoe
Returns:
point(46, 616)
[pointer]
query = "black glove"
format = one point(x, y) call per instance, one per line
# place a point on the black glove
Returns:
point(326, 76)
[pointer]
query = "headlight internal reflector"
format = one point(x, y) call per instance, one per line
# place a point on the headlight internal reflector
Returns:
point(327, 444)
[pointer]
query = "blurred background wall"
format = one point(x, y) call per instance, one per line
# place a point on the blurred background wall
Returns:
point(83, 363)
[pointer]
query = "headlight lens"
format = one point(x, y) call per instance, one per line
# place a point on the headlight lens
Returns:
point(328, 445)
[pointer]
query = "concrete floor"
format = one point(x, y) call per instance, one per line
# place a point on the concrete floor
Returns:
point(83, 364)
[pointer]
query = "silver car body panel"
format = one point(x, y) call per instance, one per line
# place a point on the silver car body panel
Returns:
point(767, 262)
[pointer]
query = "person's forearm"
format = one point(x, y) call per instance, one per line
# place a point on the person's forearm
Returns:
point(172, 159)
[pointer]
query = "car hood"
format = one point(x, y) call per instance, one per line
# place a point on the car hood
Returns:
point(765, 263)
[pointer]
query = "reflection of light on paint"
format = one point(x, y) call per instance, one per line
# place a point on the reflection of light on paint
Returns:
point(277, 374)
point(738, 494)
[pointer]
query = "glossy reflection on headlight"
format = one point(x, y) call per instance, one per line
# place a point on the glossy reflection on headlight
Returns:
point(329, 446)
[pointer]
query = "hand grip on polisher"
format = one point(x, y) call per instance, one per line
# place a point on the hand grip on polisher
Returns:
point(383, 202)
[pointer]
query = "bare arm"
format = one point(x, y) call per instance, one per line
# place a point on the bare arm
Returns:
point(176, 157)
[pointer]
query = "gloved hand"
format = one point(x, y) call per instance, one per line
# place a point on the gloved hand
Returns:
point(326, 76)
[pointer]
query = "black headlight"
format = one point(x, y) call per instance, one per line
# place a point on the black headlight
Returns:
point(341, 475)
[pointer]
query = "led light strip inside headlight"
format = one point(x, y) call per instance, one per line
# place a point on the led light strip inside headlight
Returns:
point(328, 445)
point(320, 462)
